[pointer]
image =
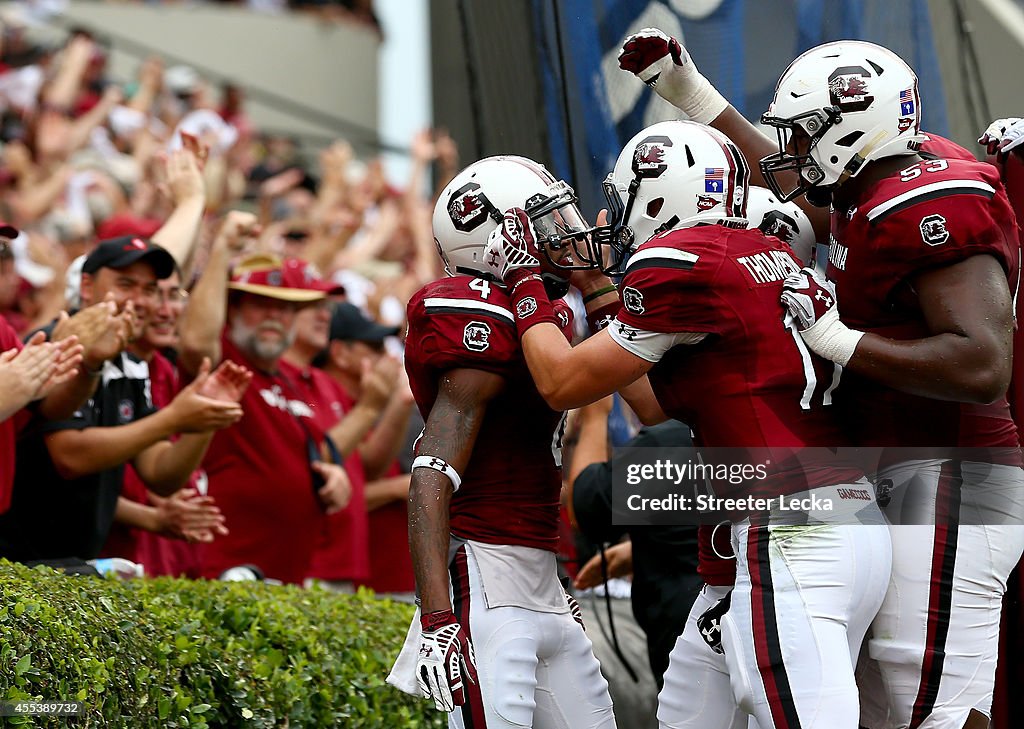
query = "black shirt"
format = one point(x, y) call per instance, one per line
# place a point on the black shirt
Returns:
point(51, 517)
point(665, 581)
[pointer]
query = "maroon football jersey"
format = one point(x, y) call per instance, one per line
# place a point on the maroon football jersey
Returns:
point(1011, 171)
point(933, 213)
point(510, 489)
point(751, 383)
point(942, 148)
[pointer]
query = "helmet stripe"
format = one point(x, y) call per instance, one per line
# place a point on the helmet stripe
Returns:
point(741, 181)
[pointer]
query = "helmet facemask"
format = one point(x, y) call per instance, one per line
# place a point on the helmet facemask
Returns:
point(562, 234)
point(836, 108)
point(474, 201)
point(615, 236)
point(790, 172)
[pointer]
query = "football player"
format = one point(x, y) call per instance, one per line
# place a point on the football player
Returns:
point(700, 304)
point(924, 259)
point(498, 642)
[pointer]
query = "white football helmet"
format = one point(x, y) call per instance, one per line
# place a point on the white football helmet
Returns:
point(476, 200)
point(673, 174)
point(855, 102)
point(784, 220)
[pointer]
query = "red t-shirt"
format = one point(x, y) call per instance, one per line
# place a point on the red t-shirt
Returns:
point(9, 427)
point(342, 549)
point(159, 555)
point(391, 567)
point(259, 474)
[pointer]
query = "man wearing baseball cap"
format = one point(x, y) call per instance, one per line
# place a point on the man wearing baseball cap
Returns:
point(268, 474)
point(356, 360)
point(71, 471)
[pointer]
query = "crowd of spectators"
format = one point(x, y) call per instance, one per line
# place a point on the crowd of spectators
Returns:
point(216, 377)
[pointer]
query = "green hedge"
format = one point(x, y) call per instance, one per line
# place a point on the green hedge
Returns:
point(174, 653)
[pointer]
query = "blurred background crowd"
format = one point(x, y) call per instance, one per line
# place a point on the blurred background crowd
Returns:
point(169, 158)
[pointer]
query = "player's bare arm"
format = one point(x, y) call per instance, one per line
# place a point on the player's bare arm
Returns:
point(599, 366)
point(448, 436)
point(641, 399)
point(969, 357)
point(967, 307)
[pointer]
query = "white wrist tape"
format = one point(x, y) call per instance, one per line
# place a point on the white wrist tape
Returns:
point(438, 464)
point(831, 339)
point(686, 89)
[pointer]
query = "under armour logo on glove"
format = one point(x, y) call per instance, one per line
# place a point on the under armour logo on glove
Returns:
point(648, 53)
point(710, 623)
point(512, 247)
point(810, 299)
point(446, 657)
point(809, 296)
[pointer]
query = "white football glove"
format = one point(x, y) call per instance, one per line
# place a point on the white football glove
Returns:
point(446, 658)
point(511, 249)
point(811, 300)
point(1003, 135)
point(662, 63)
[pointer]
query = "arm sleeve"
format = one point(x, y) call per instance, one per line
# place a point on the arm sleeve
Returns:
point(650, 346)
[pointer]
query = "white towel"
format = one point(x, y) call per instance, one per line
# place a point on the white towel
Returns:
point(403, 673)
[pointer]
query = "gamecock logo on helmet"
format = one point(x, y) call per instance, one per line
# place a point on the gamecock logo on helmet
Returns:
point(476, 336)
point(848, 88)
point(468, 207)
point(779, 225)
point(649, 156)
point(933, 230)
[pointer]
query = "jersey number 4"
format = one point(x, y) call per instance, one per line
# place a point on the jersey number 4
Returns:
point(481, 286)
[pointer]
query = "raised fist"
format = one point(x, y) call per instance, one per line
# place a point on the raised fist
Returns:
point(650, 52)
point(661, 62)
